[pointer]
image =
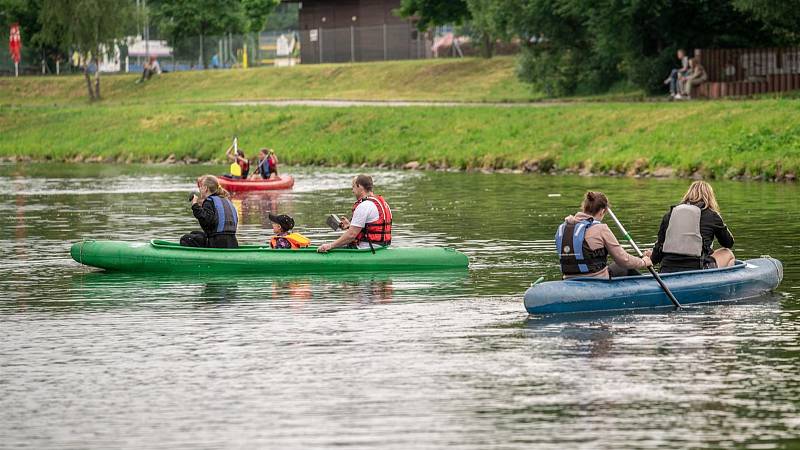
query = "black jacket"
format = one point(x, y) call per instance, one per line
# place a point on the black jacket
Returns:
point(711, 226)
point(206, 215)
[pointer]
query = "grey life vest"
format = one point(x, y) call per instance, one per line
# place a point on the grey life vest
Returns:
point(683, 233)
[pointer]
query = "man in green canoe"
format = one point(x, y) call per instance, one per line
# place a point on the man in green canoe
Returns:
point(372, 220)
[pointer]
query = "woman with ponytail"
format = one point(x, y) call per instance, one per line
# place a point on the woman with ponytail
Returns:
point(584, 242)
point(216, 214)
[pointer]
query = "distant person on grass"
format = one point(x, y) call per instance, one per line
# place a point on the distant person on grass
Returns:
point(697, 75)
point(150, 68)
point(675, 75)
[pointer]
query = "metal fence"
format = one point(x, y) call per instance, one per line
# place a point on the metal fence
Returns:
point(367, 43)
point(192, 53)
point(33, 62)
point(208, 52)
point(311, 46)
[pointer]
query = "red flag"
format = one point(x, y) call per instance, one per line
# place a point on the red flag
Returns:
point(14, 42)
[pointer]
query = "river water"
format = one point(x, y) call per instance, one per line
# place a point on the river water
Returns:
point(92, 360)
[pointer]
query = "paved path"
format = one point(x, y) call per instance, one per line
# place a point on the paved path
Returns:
point(387, 103)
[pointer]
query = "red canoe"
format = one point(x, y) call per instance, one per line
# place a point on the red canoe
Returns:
point(283, 182)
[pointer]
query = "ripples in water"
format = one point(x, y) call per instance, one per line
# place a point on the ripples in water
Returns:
point(99, 360)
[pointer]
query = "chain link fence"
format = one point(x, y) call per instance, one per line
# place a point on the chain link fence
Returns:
point(281, 48)
point(367, 43)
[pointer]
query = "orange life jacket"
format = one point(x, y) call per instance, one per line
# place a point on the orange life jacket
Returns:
point(378, 232)
point(296, 239)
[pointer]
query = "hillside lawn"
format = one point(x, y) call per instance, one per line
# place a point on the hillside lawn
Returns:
point(470, 79)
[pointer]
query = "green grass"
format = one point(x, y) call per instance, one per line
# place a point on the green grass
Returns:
point(50, 118)
point(442, 79)
point(717, 139)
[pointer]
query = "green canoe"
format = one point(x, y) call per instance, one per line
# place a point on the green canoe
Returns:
point(162, 256)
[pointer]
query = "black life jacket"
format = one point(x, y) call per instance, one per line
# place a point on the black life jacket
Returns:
point(574, 254)
point(227, 217)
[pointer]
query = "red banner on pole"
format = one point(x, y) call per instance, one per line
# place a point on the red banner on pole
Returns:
point(15, 43)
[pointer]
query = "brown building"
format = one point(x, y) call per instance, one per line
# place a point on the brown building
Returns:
point(357, 30)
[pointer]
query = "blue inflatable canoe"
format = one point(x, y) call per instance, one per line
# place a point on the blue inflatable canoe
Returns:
point(745, 279)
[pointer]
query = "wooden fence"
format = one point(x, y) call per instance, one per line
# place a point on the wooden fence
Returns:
point(746, 72)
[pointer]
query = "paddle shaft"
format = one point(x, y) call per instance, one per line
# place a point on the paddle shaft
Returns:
point(639, 252)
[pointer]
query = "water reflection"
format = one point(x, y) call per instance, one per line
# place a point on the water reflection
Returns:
point(112, 289)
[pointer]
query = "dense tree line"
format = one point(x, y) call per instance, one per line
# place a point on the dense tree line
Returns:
point(568, 46)
point(586, 46)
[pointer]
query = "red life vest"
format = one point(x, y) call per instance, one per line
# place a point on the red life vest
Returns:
point(378, 232)
point(244, 164)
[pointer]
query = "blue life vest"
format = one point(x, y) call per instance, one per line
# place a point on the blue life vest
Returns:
point(574, 254)
point(266, 167)
point(227, 217)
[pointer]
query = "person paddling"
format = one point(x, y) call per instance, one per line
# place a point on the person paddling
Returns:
point(235, 154)
point(267, 165)
point(687, 233)
point(371, 225)
point(584, 243)
point(216, 214)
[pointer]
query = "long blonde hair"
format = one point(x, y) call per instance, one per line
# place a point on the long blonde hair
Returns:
point(212, 183)
point(700, 191)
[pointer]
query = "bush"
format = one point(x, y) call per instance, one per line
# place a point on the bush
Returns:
point(650, 72)
point(560, 72)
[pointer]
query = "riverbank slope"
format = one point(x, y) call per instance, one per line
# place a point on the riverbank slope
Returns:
point(723, 139)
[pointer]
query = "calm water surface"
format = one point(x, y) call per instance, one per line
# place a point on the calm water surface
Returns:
point(93, 360)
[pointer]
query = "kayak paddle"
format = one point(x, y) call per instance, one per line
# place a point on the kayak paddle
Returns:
point(236, 170)
point(639, 252)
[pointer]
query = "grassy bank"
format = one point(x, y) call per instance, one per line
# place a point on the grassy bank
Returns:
point(443, 79)
point(720, 139)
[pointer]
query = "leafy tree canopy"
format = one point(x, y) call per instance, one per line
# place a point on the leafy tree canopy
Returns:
point(86, 25)
point(434, 12)
point(779, 16)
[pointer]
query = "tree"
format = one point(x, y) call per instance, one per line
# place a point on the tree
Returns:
point(489, 20)
point(26, 13)
point(182, 19)
point(256, 12)
point(587, 45)
point(87, 26)
point(781, 16)
point(485, 20)
point(428, 13)
point(285, 16)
